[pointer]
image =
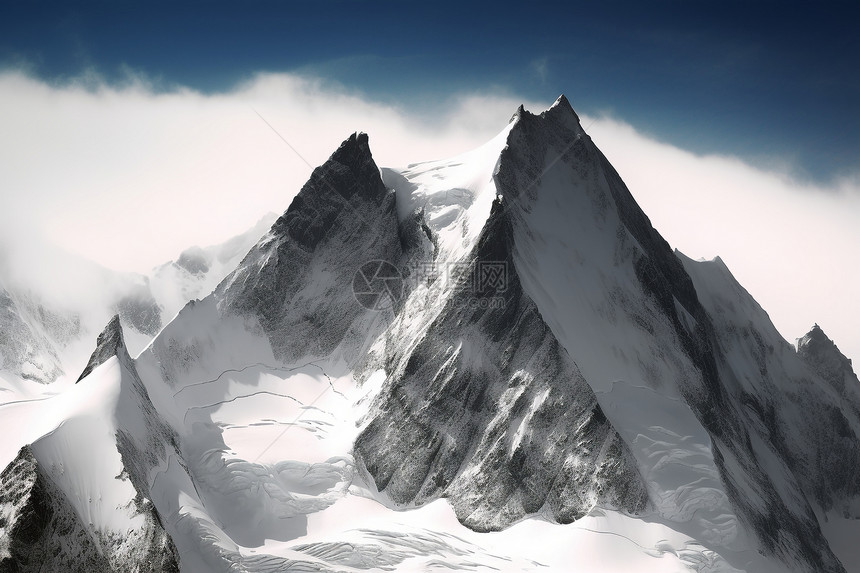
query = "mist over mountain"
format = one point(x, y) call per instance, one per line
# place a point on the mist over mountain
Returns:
point(492, 361)
point(55, 302)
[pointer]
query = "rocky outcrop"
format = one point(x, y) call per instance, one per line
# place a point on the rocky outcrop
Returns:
point(40, 531)
point(822, 355)
point(108, 344)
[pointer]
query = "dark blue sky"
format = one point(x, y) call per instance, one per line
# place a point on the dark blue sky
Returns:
point(756, 79)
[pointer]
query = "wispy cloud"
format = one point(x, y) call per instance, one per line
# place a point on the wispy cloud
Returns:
point(131, 174)
point(540, 69)
point(793, 245)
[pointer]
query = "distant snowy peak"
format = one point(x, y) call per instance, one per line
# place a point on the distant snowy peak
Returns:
point(198, 270)
point(822, 355)
point(31, 336)
point(109, 343)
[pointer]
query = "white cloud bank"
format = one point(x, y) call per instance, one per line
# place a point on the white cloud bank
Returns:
point(130, 176)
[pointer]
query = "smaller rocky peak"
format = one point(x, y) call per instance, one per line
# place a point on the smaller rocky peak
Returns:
point(354, 151)
point(350, 171)
point(109, 343)
point(562, 113)
point(821, 354)
point(521, 111)
point(815, 342)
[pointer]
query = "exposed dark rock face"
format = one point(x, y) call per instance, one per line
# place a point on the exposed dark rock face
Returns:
point(777, 419)
point(40, 530)
point(489, 411)
point(299, 277)
point(109, 342)
point(833, 474)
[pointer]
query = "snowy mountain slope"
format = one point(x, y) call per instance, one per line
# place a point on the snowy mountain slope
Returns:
point(85, 506)
point(807, 416)
point(268, 343)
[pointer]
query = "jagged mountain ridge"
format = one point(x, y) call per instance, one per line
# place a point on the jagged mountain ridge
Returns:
point(604, 375)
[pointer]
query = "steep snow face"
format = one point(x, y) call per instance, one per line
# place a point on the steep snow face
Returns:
point(602, 279)
point(627, 313)
point(804, 422)
point(453, 195)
